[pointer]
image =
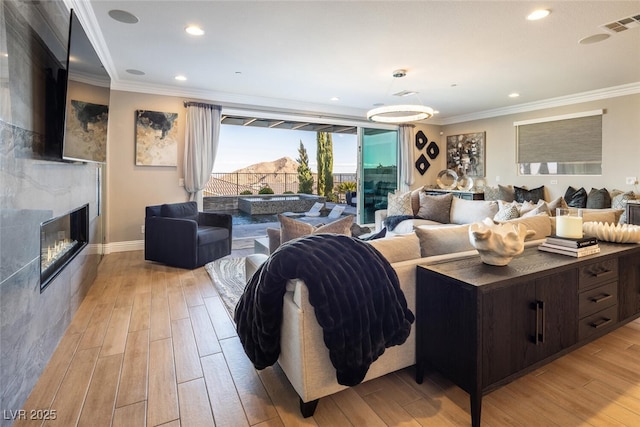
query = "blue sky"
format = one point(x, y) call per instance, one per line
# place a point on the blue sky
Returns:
point(243, 146)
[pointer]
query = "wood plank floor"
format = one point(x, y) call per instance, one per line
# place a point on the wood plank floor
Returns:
point(153, 346)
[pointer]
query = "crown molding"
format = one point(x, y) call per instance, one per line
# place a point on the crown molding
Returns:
point(578, 98)
point(231, 100)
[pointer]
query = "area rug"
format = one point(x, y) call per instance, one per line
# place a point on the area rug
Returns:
point(228, 278)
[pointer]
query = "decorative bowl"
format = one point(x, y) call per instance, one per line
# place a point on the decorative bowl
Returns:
point(497, 244)
point(465, 183)
point(618, 233)
point(447, 179)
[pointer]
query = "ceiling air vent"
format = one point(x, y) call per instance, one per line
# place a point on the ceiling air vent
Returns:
point(622, 24)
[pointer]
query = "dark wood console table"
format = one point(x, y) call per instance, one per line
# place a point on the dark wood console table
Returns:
point(483, 326)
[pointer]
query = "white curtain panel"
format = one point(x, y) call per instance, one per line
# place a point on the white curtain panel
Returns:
point(405, 137)
point(201, 145)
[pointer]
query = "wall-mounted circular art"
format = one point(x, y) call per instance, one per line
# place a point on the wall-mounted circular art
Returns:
point(433, 150)
point(422, 164)
point(421, 140)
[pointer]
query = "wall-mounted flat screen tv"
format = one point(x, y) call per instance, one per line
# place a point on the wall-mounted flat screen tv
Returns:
point(87, 100)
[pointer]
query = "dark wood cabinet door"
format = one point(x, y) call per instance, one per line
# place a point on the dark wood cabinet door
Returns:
point(508, 326)
point(528, 322)
point(629, 285)
point(558, 314)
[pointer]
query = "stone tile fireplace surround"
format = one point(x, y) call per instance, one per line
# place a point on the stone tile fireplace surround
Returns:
point(34, 191)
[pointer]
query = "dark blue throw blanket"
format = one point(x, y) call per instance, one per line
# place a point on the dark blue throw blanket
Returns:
point(353, 289)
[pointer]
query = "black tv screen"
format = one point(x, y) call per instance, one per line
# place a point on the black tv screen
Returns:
point(87, 99)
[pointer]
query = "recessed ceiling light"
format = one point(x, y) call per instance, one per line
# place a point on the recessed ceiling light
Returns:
point(135, 72)
point(594, 38)
point(514, 95)
point(538, 14)
point(194, 30)
point(436, 112)
point(181, 78)
point(123, 16)
point(335, 98)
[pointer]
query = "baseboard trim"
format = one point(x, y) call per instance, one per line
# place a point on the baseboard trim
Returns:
point(132, 245)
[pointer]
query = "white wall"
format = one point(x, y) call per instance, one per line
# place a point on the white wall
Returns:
point(130, 188)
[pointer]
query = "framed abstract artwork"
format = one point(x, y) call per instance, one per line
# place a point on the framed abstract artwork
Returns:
point(466, 154)
point(156, 138)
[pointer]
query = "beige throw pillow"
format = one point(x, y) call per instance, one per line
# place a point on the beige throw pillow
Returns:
point(435, 208)
point(399, 203)
point(443, 240)
point(468, 211)
point(398, 248)
point(292, 229)
point(540, 223)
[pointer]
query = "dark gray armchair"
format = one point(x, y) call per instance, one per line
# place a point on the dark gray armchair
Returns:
point(178, 235)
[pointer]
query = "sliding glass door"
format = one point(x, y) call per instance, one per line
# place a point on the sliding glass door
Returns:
point(378, 170)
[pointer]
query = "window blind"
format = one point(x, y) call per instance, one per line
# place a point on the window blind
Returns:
point(572, 140)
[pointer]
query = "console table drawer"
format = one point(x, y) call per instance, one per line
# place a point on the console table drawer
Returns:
point(596, 299)
point(597, 322)
point(598, 272)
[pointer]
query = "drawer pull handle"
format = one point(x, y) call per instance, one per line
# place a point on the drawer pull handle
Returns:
point(601, 298)
point(601, 272)
point(601, 323)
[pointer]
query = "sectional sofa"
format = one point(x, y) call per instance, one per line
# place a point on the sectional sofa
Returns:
point(304, 357)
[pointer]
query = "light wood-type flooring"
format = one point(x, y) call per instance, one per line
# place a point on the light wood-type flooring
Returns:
point(153, 345)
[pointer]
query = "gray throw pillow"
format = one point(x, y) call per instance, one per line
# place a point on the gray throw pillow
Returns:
point(523, 195)
point(435, 208)
point(598, 199)
point(576, 198)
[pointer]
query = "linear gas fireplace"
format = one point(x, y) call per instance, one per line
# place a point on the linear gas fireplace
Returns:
point(61, 239)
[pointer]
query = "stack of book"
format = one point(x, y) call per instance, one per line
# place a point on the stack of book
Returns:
point(572, 247)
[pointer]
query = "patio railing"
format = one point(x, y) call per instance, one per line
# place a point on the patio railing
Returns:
point(234, 183)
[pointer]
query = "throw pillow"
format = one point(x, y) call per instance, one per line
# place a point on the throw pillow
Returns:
point(500, 192)
point(468, 211)
point(576, 198)
point(507, 211)
point(443, 240)
point(274, 238)
point(555, 204)
point(398, 248)
point(619, 201)
point(399, 203)
point(415, 201)
point(610, 215)
point(292, 229)
point(598, 199)
point(531, 209)
point(435, 208)
point(541, 224)
point(524, 195)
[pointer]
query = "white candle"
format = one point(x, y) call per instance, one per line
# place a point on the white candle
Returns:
point(569, 226)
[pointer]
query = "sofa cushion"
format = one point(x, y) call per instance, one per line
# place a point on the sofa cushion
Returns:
point(576, 198)
point(292, 229)
point(619, 201)
point(398, 248)
point(598, 199)
point(540, 223)
point(523, 195)
point(186, 210)
point(468, 211)
point(207, 234)
point(443, 240)
point(399, 203)
point(435, 207)
point(611, 216)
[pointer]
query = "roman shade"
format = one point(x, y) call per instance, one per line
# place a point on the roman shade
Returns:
point(564, 139)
